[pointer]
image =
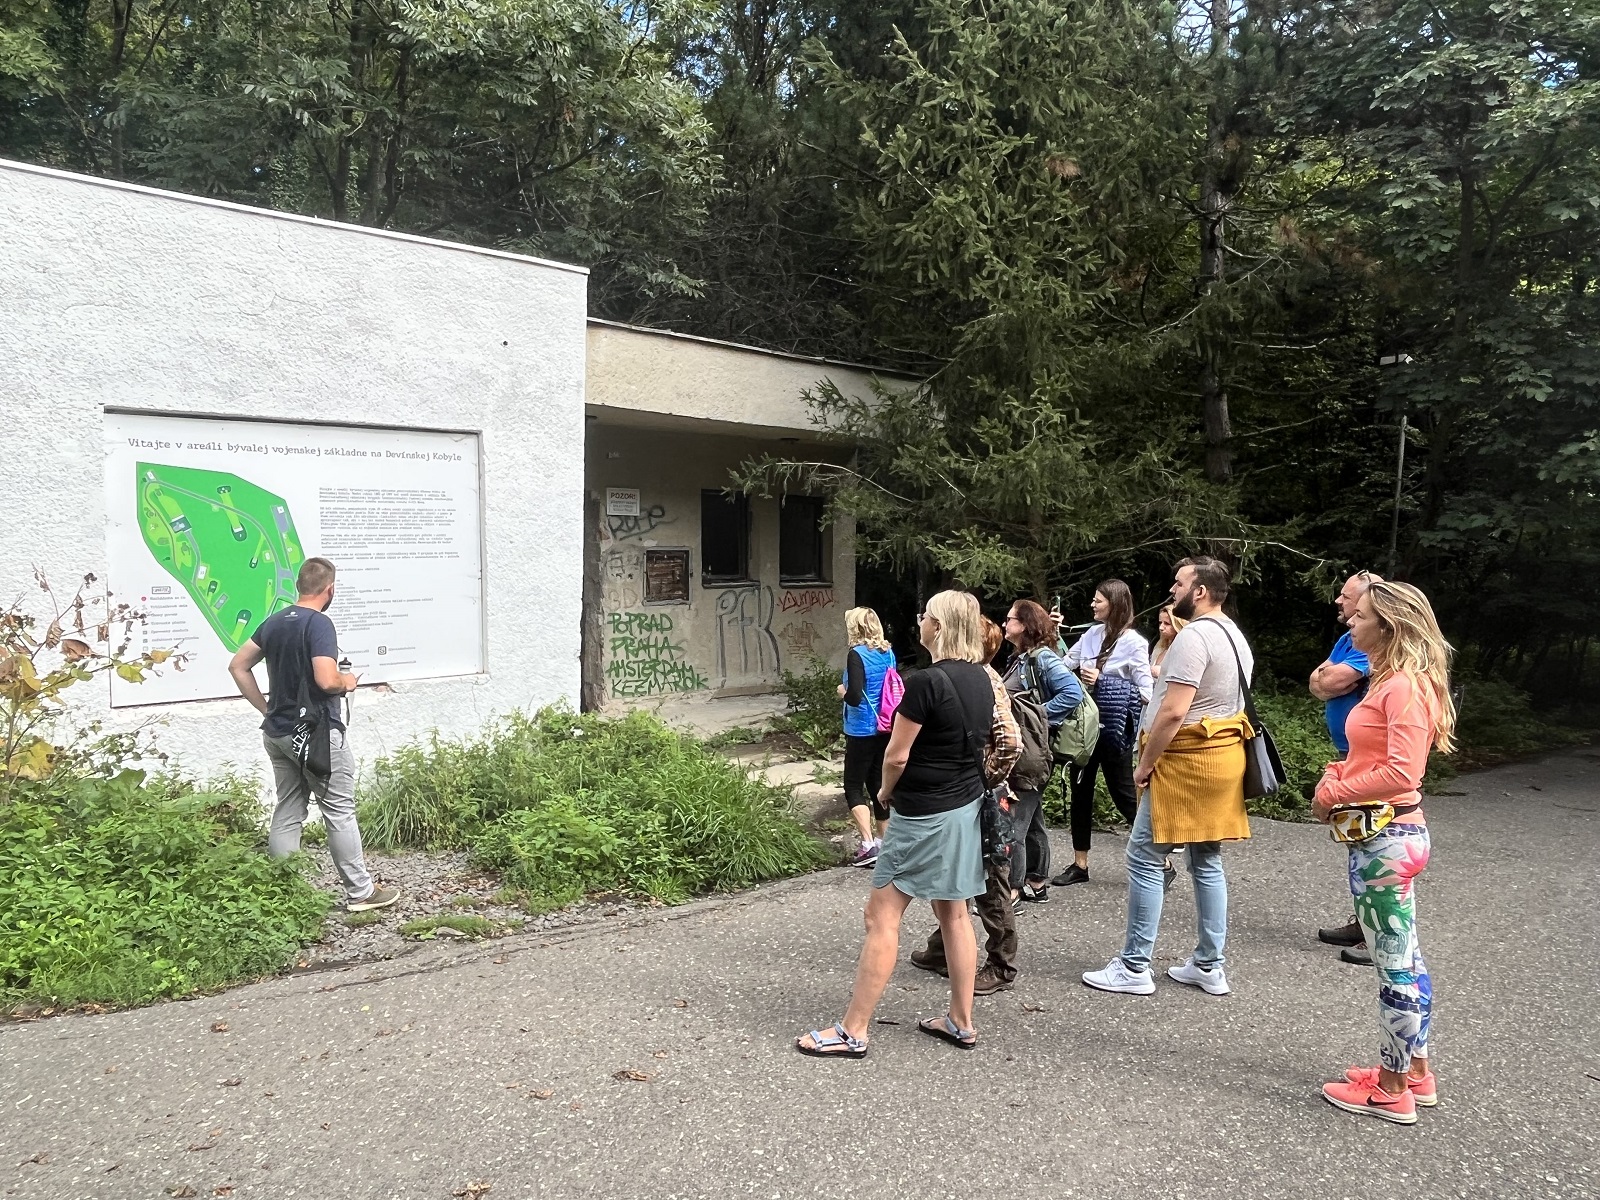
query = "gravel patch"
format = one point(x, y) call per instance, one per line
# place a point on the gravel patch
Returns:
point(434, 884)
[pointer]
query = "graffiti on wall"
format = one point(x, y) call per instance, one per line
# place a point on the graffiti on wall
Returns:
point(746, 648)
point(648, 520)
point(805, 600)
point(622, 578)
point(643, 660)
point(802, 639)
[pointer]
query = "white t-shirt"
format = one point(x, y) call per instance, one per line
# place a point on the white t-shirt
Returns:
point(1200, 655)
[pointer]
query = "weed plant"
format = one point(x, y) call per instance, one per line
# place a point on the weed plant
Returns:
point(815, 713)
point(123, 889)
point(563, 805)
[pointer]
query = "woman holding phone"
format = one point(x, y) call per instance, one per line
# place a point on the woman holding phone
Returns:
point(1112, 651)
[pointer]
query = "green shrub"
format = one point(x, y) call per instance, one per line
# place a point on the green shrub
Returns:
point(1301, 735)
point(564, 804)
point(816, 714)
point(1302, 740)
point(1497, 724)
point(124, 890)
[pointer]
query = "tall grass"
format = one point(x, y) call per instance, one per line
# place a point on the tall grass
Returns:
point(123, 890)
point(565, 804)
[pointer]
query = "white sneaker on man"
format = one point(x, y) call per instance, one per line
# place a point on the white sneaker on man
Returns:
point(1117, 978)
point(1210, 980)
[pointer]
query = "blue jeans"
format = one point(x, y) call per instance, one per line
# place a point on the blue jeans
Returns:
point(1146, 890)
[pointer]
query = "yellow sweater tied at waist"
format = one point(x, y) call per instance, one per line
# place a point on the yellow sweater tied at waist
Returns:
point(1197, 790)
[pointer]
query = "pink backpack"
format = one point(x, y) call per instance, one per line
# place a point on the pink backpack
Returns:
point(893, 689)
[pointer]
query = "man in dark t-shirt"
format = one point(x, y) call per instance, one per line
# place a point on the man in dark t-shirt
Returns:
point(301, 649)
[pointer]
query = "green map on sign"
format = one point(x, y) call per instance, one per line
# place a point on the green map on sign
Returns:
point(231, 544)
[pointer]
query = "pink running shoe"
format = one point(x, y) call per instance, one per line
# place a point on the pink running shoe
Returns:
point(1426, 1089)
point(1371, 1100)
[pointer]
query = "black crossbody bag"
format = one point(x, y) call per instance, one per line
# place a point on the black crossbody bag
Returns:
point(994, 813)
point(312, 738)
point(1263, 767)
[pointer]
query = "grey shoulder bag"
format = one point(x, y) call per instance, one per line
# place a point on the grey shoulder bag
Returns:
point(1263, 767)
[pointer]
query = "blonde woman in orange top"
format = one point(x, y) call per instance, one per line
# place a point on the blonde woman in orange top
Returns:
point(1406, 712)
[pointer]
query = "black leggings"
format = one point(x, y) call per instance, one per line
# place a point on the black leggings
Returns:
point(863, 772)
point(1117, 764)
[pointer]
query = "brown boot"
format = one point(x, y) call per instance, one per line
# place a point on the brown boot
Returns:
point(929, 962)
point(989, 982)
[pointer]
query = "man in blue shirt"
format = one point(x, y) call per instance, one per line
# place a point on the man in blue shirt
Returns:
point(1339, 683)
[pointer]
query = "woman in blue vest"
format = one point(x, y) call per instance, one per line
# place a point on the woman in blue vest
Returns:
point(866, 664)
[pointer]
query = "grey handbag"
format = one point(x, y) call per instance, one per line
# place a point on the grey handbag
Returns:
point(1263, 767)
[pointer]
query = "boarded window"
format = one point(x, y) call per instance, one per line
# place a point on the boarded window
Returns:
point(802, 541)
point(666, 577)
point(724, 538)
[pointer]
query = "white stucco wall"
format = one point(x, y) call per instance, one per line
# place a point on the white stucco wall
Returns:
point(122, 297)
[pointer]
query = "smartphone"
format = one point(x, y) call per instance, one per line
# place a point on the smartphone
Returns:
point(1055, 605)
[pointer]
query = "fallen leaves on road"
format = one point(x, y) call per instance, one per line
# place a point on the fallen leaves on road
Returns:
point(222, 1189)
point(658, 1054)
point(183, 1191)
point(543, 1093)
point(201, 1146)
point(38, 1160)
point(630, 1074)
point(1032, 1008)
point(473, 1190)
point(234, 1082)
point(219, 1027)
point(501, 961)
point(680, 1003)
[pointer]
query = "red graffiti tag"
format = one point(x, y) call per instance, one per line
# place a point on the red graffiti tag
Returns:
point(806, 600)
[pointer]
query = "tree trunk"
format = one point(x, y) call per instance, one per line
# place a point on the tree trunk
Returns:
point(1037, 567)
point(1458, 360)
point(1216, 196)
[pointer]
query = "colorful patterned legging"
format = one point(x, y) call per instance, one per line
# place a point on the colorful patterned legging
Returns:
point(1381, 871)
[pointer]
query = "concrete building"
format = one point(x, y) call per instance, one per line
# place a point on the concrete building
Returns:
point(440, 419)
point(691, 590)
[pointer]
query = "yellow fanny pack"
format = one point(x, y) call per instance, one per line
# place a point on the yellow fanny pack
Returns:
point(1359, 822)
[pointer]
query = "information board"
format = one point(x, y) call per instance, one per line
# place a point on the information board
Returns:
point(209, 521)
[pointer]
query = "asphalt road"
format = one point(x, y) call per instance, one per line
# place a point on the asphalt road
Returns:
point(495, 1065)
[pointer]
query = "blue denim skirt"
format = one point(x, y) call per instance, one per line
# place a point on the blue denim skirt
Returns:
point(939, 857)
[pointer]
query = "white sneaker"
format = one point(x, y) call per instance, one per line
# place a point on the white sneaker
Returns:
point(1212, 981)
point(1117, 978)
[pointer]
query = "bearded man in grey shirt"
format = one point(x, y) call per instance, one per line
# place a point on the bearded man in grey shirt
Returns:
point(1190, 778)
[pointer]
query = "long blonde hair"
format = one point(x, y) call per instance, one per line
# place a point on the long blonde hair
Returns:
point(1159, 654)
point(1413, 645)
point(960, 633)
point(862, 628)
